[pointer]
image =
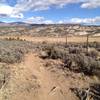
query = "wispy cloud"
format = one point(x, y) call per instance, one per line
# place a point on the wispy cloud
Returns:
point(91, 4)
point(86, 20)
point(43, 20)
point(35, 5)
point(38, 20)
point(81, 20)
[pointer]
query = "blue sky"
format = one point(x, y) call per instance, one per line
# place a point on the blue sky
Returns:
point(50, 11)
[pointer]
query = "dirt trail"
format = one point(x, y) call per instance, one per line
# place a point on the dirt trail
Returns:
point(31, 81)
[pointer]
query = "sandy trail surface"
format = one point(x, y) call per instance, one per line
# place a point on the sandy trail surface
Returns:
point(30, 80)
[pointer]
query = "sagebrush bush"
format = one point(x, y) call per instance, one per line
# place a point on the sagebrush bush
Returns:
point(75, 50)
point(11, 56)
point(93, 53)
point(94, 44)
point(98, 49)
point(12, 51)
point(4, 74)
point(55, 52)
point(75, 58)
point(82, 63)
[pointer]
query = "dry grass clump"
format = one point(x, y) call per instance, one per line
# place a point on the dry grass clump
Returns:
point(4, 74)
point(13, 51)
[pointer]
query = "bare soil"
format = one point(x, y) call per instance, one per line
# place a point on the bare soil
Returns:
point(31, 80)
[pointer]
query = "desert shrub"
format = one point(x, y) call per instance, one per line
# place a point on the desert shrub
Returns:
point(10, 38)
point(90, 93)
point(18, 38)
point(13, 51)
point(98, 49)
point(74, 58)
point(87, 64)
point(11, 56)
point(94, 44)
point(54, 52)
point(82, 63)
point(93, 53)
point(75, 50)
point(4, 74)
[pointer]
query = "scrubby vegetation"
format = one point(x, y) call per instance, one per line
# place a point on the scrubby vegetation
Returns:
point(90, 93)
point(74, 66)
point(77, 60)
point(12, 51)
point(74, 57)
point(4, 74)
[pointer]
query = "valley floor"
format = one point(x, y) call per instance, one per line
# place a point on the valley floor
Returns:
point(75, 39)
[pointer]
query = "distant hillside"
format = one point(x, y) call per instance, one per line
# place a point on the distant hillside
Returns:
point(21, 28)
point(13, 24)
point(1, 22)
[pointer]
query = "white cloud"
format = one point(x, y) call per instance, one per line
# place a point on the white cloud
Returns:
point(38, 20)
point(19, 16)
point(94, 20)
point(7, 11)
point(91, 4)
point(48, 22)
point(86, 20)
point(61, 22)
